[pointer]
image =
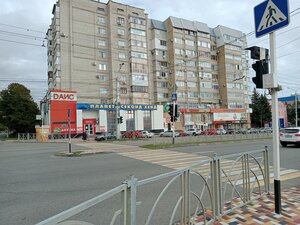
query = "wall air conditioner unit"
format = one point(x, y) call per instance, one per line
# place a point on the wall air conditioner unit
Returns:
point(94, 64)
point(171, 39)
point(159, 77)
point(119, 23)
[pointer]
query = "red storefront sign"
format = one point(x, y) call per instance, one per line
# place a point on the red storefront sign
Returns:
point(60, 103)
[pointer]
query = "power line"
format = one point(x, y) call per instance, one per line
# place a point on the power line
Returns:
point(289, 42)
point(20, 35)
point(266, 39)
point(22, 28)
point(24, 43)
point(288, 54)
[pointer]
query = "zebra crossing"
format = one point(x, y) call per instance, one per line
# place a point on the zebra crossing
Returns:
point(178, 160)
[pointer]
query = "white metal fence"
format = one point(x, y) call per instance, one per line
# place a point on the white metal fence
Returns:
point(199, 194)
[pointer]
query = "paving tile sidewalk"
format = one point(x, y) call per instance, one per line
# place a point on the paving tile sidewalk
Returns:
point(262, 211)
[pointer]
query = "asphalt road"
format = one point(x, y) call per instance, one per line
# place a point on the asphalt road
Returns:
point(35, 184)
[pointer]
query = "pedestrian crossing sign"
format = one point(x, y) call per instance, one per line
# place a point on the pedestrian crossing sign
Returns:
point(271, 15)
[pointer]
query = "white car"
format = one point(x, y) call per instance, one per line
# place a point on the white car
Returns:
point(290, 135)
point(221, 131)
point(192, 132)
point(168, 134)
point(147, 134)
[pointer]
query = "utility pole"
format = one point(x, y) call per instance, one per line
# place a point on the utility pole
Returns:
point(69, 124)
point(275, 125)
point(118, 103)
point(174, 99)
point(118, 107)
point(296, 108)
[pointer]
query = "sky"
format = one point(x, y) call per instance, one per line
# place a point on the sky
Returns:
point(23, 25)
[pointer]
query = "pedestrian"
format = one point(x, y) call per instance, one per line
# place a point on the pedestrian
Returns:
point(84, 136)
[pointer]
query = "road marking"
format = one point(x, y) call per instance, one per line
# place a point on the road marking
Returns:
point(179, 160)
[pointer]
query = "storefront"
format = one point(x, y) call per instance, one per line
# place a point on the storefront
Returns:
point(229, 118)
point(62, 112)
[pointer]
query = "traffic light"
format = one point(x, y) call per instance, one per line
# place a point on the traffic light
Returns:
point(121, 119)
point(261, 67)
point(170, 111)
point(176, 114)
point(258, 53)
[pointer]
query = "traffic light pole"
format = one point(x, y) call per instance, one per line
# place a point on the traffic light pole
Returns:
point(174, 102)
point(275, 125)
point(118, 108)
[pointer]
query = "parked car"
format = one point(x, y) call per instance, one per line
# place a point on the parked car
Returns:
point(266, 130)
point(193, 132)
point(147, 134)
point(168, 134)
point(182, 133)
point(105, 136)
point(252, 131)
point(209, 132)
point(290, 135)
point(221, 131)
point(230, 131)
point(132, 134)
point(242, 131)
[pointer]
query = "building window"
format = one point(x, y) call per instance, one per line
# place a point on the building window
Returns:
point(122, 55)
point(102, 78)
point(120, 10)
point(189, 42)
point(135, 20)
point(120, 20)
point(100, 19)
point(139, 55)
point(138, 43)
point(121, 32)
point(191, 84)
point(178, 41)
point(102, 54)
point(101, 43)
point(138, 68)
point(164, 64)
point(102, 66)
point(123, 90)
point(101, 31)
point(180, 83)
point(103, 91)
point(162, 95)
point(138, 32)
point(141, 89)
point(163, 43)
point(121, 43)
point(99, 9)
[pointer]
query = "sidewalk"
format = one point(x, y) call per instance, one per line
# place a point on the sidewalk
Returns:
point(262, 211)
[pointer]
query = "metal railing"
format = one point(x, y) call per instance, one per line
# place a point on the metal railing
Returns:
point(26, 136)
point(199, 194)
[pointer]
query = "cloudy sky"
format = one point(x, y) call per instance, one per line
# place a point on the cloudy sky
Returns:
point(23, 25)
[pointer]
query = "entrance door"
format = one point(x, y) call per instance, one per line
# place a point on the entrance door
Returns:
point(89, 129)
point(89, 126)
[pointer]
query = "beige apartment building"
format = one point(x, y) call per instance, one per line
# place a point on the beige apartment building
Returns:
point(111, 52)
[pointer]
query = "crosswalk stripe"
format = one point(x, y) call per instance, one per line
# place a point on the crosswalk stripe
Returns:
point(179, 160)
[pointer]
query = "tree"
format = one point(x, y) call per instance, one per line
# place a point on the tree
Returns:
point(17, 109)
point(261, 110)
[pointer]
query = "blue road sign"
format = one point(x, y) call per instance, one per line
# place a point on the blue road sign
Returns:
point(174, 96)
point(271, 15)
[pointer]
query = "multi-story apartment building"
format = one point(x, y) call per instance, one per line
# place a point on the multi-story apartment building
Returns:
point(111, 53)
point(206, 67)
